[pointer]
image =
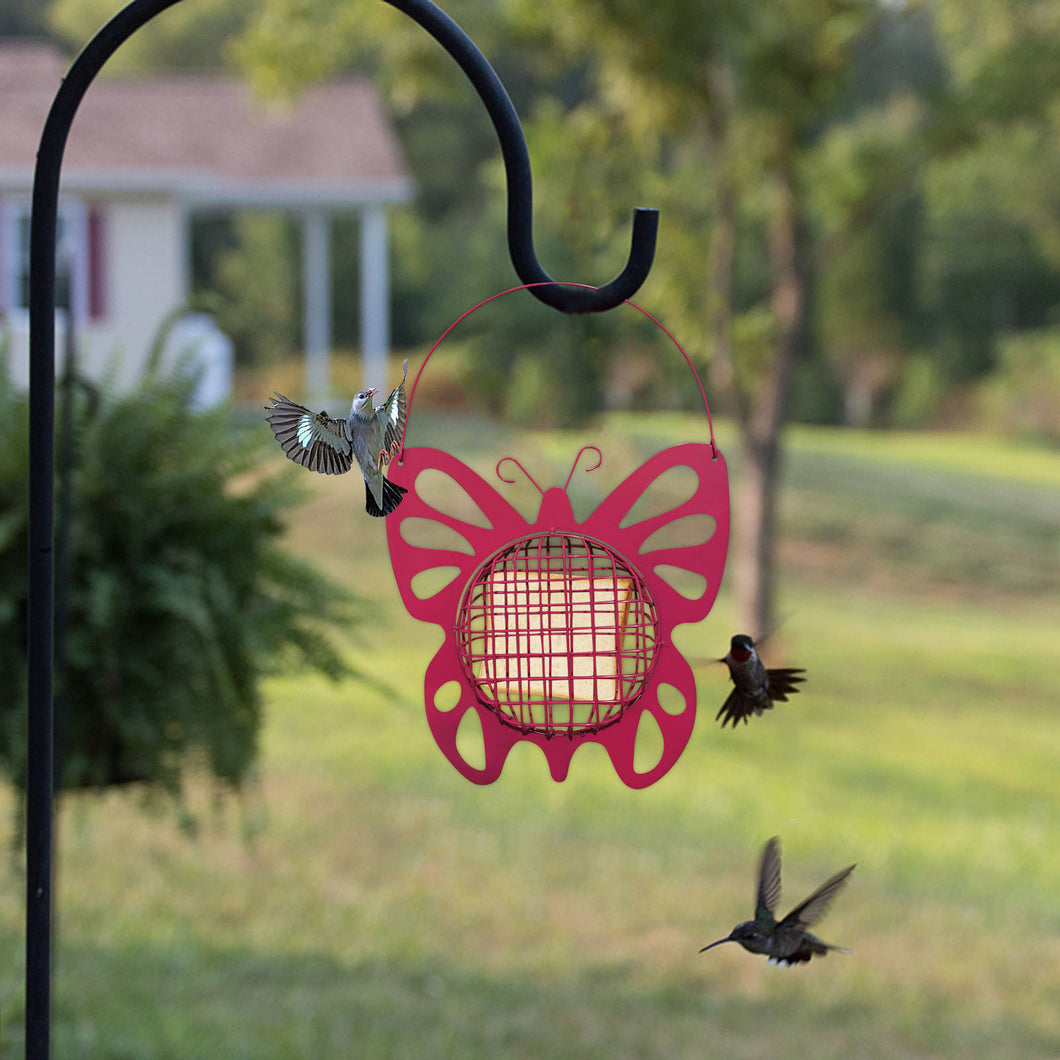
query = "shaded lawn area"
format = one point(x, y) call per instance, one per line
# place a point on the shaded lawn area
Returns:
point(362, 899)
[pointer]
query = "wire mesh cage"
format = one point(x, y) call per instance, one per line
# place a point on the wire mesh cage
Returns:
point(557, 634)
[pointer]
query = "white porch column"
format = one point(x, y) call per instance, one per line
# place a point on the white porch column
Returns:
point(316, 299)
point(375, 297)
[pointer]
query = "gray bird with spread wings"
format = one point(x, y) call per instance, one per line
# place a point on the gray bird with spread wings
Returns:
point(787, 942)
point(370, 435)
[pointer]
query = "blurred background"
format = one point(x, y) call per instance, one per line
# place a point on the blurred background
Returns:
point(261, 850)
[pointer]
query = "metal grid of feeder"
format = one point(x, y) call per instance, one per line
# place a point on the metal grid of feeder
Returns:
point(557, 634)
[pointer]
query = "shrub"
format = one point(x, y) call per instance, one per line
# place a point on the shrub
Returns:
point(179, 595)
point(1022, 397)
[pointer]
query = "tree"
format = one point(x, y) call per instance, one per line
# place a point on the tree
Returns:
point(866, 181)
point(994, 240)
point(822, 195)
point(866, 175)
point(749, 84)
point(932, 186)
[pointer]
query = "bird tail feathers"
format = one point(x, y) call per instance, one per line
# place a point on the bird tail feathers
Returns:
point(784, 682)
point(392, 494)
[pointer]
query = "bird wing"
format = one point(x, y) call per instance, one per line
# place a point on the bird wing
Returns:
point(314, 440)
point(768, 879)
point(393, 412)
point(807, 913)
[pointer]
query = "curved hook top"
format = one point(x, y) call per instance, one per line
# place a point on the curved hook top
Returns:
point(493, 94)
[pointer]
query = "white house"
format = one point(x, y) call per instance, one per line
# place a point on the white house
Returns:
point(145, 153)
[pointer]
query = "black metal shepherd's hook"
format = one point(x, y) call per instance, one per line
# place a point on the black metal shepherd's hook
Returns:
point(520, 183)
point(40, 779)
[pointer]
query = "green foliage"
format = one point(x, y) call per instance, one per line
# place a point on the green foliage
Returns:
point(179, 597)
point(986, 268)
point(189, 35)
point(249, 270)
point(816, 395)
point(534, 365)
point(918, 394)
point(14, 549)
point(924, 135)
point(291, 43)
point(20, 18)
point(555, 378)
point(1023, 397)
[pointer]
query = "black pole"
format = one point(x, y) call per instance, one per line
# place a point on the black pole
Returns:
point(40, 646)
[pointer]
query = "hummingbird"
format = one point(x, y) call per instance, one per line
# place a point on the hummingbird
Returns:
point(756, 687)
point(788, 942)
point(371, 435)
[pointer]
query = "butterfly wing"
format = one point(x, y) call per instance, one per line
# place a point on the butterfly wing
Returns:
point(673, 720)
point(469, 492)
point(706, 559)
point(314, 440)
point(465, 492)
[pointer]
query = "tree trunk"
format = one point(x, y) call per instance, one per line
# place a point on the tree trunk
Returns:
point(754, 543)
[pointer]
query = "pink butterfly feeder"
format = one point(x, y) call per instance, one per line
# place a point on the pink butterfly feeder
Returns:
point(559, 631)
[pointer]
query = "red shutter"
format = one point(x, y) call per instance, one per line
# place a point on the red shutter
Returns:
point(97, 263)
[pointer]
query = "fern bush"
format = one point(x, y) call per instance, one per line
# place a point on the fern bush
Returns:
point(179, 597)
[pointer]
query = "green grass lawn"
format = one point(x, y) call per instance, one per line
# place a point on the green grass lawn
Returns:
point(361, 899)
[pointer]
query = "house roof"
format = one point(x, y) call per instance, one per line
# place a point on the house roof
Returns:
point(203, 137)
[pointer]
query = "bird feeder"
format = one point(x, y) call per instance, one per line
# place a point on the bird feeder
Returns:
point(559, 631)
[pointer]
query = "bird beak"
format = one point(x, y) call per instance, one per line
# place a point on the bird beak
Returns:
point(373, 390)
point(728, 938)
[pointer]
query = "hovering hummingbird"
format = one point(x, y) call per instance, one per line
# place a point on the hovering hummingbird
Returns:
point(756, 687)
point(370, 435)
point(787, 942)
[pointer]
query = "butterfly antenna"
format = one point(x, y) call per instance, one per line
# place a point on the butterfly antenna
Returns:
point(574, 466)
point(521, 468)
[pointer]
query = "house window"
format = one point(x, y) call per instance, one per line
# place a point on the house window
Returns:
point(78, 253)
